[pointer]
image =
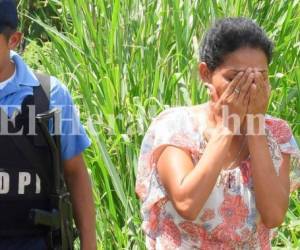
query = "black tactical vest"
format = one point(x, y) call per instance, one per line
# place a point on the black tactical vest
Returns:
point(25, 180)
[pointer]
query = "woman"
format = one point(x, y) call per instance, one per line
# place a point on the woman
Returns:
point(216, 175)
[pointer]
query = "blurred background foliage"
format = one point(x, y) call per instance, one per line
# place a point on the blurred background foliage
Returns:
point(125, 61)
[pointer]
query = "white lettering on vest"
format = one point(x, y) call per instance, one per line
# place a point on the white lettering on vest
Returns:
point(37, 184)
point(24, 180)
point(4, 183)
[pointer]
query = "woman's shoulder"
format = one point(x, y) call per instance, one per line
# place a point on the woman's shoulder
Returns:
point(274, 119)
point(170, 112)
point(175, 110)
point(279, 128)
point(181, 117)
point(170, 118)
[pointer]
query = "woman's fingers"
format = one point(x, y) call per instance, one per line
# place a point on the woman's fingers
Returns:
point(263, 86)
point(252, 93)
point(244, 90)
point(233, 84)
point(212, 92)
point(246, 99)
point(259, 80)
point(241, 82)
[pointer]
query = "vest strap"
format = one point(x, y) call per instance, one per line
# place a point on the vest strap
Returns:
point(42, 103)
point(42, 93)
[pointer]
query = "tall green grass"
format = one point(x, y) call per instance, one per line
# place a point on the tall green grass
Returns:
point(125, 61)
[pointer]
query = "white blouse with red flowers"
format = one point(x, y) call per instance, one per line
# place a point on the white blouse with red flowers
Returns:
point(229, 218)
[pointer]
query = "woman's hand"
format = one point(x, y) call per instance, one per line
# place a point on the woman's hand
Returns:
point(235, 98)
point(259, 95)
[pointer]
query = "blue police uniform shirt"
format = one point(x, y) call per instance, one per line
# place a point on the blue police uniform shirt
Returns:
point(74, 139)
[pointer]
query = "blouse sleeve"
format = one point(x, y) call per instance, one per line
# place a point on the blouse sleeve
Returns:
point(288, 145)
point(171, 127)
point(291, 147)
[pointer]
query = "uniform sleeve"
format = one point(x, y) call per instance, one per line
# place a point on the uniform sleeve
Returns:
point(288, 145)
point(169, 128)
point(74, 139)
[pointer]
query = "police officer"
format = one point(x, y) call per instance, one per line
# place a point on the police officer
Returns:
point(21, 185)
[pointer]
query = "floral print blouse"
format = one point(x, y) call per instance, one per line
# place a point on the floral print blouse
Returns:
point(229, 219)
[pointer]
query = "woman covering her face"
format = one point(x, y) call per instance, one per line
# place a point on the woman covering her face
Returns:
point(218, 175)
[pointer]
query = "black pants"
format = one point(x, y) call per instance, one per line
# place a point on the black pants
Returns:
point(28, 243)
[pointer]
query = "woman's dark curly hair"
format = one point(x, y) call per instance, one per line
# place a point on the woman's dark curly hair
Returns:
point(230, 34)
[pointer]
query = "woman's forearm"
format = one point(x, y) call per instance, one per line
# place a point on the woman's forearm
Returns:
point(198, 184)
point(271, 197)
